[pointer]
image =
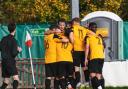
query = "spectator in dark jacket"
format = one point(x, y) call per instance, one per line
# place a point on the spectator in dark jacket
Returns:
point(9, 50)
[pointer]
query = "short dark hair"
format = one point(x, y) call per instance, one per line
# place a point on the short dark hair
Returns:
point(76, 19)
point(92, 24)
point(69, 22)
point(62, 20)
point(53, 27)
point(11, 27)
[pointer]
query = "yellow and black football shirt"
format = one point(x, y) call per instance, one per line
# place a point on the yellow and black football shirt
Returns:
point(96, 47)
point(64, 50)
point(79, 35)
point(50, 48)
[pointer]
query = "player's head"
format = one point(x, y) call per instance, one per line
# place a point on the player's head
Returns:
point(11, 27)
point(93, 26)
point(52, 27)
point(76, 20)
point(57, 30)
point(62, 24)
point(69, 24)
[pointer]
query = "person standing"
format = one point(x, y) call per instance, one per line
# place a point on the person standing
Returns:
point(94, 50)
point(9, 50)
point(78, 53)
point(64, 56)
point(51, 64)
point(50, 58)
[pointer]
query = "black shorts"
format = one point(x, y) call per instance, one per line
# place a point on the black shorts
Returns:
point(96, 65)
point(78, 58)
point(50, 70)
point(65, 69)
point(8, 68)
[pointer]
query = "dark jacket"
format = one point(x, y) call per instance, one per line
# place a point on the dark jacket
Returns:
point(8, 47)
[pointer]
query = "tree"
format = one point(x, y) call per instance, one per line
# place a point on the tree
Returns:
point(123, 10)
point(20, 11)
point(52, 10)
point(99, 5)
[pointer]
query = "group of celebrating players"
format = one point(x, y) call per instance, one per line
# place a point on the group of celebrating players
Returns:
point(69, 46)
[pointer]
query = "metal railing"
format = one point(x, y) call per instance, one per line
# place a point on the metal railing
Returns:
point(25, 73)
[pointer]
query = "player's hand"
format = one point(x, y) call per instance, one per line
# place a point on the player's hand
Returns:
point(65, 40)
point(19, 49)
point(57, 31)
point(85, 67)
point(86, 62)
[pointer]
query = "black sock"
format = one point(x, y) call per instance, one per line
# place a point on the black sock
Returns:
point(86, 74)
point(4, 85)
point(47, 83)
point(15, 84)
point(63, 83)
point(102, 83)
point(56, 84)
point(70, 80)
point(94, 82)
point(77, 77)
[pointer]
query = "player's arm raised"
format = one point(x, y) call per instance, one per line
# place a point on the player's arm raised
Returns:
point(59, 39)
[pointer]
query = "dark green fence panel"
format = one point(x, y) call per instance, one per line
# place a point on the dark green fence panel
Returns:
point(125, 39)
point(36, 31)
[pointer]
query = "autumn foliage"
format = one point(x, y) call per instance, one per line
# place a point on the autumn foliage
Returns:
point(52, 10)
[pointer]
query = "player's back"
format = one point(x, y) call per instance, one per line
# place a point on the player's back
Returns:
point(8, 47)
point(79, 35)
point(50, 48)
point(96, 46)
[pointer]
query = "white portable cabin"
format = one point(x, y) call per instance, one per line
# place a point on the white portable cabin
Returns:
point(114, 24)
